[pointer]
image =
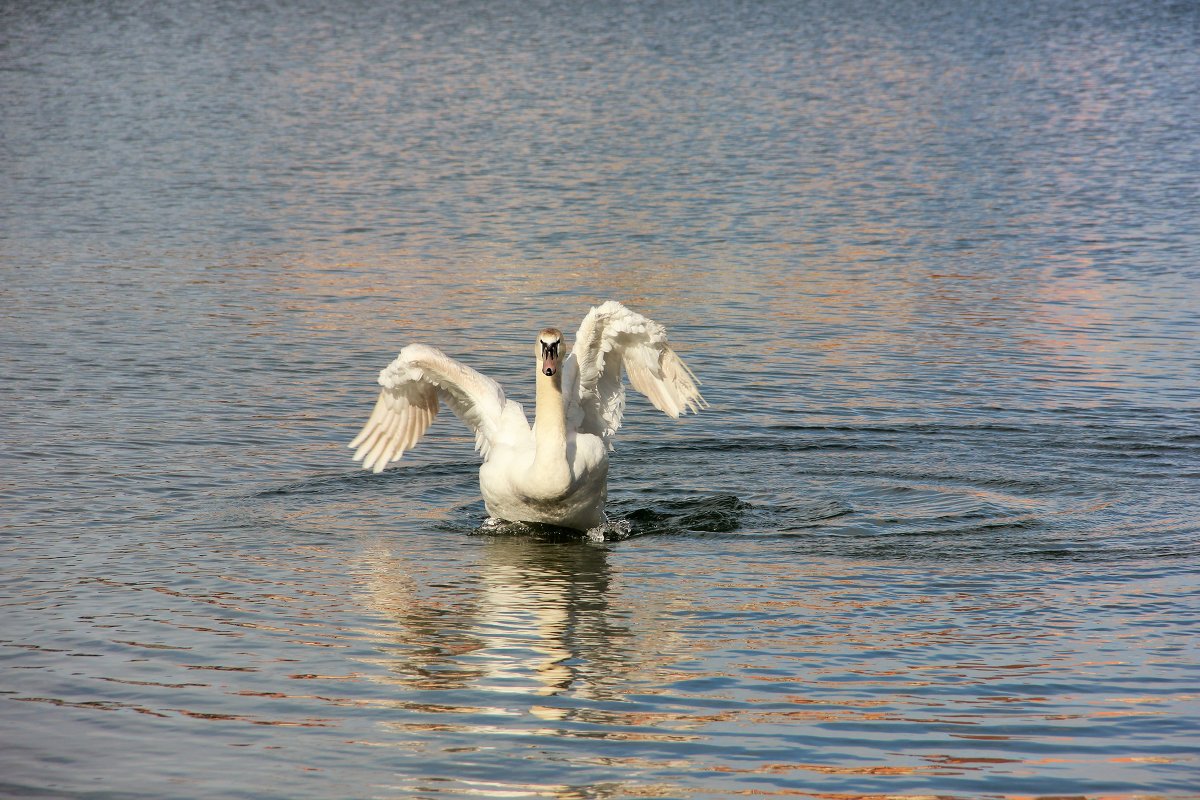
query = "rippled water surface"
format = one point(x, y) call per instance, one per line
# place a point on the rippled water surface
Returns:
point(935, 263)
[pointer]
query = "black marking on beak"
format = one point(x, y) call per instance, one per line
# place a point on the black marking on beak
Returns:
point(549, 358)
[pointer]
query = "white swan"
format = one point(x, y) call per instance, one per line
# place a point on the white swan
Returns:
point(556, 471)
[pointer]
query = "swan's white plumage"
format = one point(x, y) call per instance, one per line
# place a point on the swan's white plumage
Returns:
point(412, 386)
point(588, 392)
point(609, 338)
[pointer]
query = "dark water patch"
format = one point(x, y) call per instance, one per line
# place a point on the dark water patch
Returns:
point(1000, 541)
point(623, 521)
point(626, 519)
point(720, 514)
point(908, 477)
point(1036, 460)
point(761, 443)
point(363, 480)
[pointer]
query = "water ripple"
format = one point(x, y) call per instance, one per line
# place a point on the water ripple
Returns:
point(934, 263)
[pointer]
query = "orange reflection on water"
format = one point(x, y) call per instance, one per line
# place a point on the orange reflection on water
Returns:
point(825, 769)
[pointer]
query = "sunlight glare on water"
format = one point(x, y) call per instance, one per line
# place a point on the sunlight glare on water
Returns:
point(935, 264)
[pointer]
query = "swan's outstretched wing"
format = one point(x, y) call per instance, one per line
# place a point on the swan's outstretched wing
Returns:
point(611, 337)
point(412, 386)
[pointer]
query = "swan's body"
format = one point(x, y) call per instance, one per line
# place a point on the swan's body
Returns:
point(555, 471)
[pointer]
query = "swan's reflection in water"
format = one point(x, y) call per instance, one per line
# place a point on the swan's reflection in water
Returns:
point(532, 621)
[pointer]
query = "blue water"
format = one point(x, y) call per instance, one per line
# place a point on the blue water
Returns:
point(937, 265)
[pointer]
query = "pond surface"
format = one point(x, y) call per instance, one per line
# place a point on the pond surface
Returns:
point(936, 264)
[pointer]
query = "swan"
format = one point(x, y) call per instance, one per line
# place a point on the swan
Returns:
point(555, 471)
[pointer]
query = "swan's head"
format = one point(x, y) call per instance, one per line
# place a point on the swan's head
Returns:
point(550, 351)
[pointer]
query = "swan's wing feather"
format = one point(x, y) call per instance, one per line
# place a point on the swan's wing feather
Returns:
point(610, 338)
point(412, 385)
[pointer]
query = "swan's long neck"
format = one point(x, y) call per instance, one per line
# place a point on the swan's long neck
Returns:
point(550, 434)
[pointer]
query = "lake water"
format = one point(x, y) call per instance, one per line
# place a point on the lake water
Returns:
point(936, 263)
